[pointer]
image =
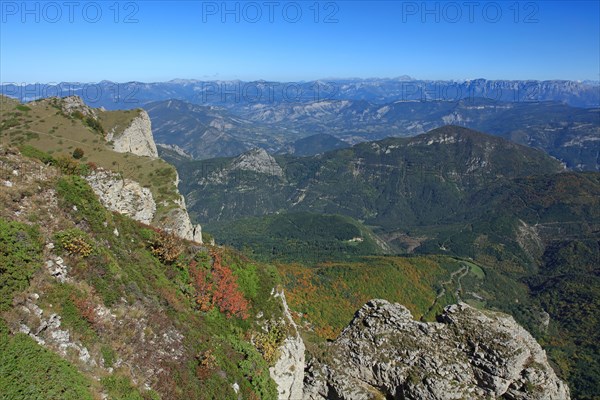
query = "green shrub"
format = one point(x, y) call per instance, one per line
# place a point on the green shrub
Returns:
point(78, 153)
point(94, 124)
point(67, 165)
point(20, 256)
point(268, 342)
point(29, 371)
point(247, 279)
point(75, 191)
point(166, 246)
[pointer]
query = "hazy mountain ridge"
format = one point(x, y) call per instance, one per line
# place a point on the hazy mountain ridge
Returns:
point(231, 117)
point(113, 95)
point(570, 134)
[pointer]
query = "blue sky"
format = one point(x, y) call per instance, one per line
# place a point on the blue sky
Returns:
point(157, 41)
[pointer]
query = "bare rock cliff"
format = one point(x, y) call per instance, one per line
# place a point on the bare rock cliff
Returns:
point(124, 196)
point(178, 221)
point(128, 197)
point(136, 138)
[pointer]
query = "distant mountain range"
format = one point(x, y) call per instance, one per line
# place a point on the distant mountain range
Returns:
point(232, 94)
point(210, 119)
point(570, 134)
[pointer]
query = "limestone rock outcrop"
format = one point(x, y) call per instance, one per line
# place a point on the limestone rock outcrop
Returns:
point(468, 354)
point(70, 104)
point(136, 138)
point(128, 197)
point(178, 222)
point(288, 371)
point(257, 160)
point(123, 195)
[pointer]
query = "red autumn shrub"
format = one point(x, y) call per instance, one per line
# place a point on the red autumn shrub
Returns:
point(228, 296)
point(218, 287)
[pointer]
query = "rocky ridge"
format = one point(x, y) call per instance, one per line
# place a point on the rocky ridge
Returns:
point(469, 353)
point(178, 221)
point(127, 196)
point(71, 104)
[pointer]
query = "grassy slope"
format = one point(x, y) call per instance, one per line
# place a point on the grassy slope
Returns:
point(149, 295)
point(42, 124)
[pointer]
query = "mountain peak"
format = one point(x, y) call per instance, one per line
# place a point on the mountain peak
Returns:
point(257, 160)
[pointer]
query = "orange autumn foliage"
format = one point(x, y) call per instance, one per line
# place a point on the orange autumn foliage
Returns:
point(218, 287)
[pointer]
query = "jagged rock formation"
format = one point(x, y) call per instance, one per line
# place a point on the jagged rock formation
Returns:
point(257, 160)
point(469, 354)
point(179, 221)
point(71, 104)
point(136, 138)
point(288, 371)
point(123, 195)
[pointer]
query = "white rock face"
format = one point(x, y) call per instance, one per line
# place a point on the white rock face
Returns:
point(470, 354)
point(288, 371)
point(57, 268)
point(128, 197)
point(257, 160)
point(178, 222)
point(124, 196)
point(137, 138)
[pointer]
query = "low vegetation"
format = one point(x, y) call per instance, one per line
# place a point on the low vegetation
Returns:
point(327, 296)
point(20, 257)
point(142, 277)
